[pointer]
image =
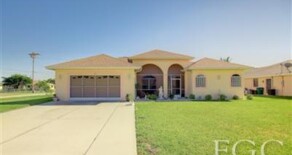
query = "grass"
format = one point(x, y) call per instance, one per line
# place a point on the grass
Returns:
point(19, 93)
point(7, 104)
point(176, 128)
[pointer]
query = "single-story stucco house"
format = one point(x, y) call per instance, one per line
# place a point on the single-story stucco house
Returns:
point(275, 79)
point(103, 77)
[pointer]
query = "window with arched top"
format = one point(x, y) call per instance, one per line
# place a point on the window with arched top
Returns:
point(235, 80)
point(200, 81)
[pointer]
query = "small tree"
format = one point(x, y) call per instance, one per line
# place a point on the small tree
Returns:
point(43, 85)
point(17, 81)
point(52, 81)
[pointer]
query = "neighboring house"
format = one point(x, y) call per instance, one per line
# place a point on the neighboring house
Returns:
point(103, 77)
point(275, 79)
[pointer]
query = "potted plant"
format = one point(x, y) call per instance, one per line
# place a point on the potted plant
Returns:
point(128, 97)
point(55, 98)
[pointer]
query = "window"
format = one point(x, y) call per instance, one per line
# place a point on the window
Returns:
point(200, 81)
point(149, 83)
point(235, 80)
point(255, 82)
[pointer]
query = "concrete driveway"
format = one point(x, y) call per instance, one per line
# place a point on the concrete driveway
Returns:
point(101, 129)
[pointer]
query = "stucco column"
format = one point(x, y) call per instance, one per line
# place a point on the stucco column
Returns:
point(187, 83)
point(165, 84)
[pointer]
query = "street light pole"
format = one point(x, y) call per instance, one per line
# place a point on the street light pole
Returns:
point(33, 56)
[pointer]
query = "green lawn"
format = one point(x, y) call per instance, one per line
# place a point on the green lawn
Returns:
point(176, 128)
point(14, 93)
point(7, 104)
point(19, 94)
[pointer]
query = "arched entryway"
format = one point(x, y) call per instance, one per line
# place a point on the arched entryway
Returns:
point(176, 82)
point(149, 80)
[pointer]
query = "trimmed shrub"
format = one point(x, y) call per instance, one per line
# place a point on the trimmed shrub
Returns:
point(152, 97)
point(192, 97)
point(208, 97)
point(235, 97)
point(171, 96)
point(249, 97)
point(129, 97)
point(222, 97)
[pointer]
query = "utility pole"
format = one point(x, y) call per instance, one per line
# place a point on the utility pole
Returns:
point(33, 55)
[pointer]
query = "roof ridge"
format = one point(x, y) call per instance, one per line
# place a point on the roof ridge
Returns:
point(94, 61)
point(148, 55)
point(210, 63)
point(83, 58)
point(124, 61)
point(195, 62)
point(226, 62)
point(279, 63)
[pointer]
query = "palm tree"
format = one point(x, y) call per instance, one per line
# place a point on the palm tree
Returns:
point(227, 59)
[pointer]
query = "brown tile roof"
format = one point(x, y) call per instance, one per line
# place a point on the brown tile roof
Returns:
point(208, 63)
point(126, 59)
point(98, 61)
point(160, 54)
point(272, 70)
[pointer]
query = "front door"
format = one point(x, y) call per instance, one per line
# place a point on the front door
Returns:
point(268, 84)
point(176, 87)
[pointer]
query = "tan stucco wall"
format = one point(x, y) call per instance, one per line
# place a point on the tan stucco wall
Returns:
point(217, 82)
point(62, 77)
point(164, 66)
point(188, 83)
point(285, 90)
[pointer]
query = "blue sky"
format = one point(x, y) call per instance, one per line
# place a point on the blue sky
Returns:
point(251, 32)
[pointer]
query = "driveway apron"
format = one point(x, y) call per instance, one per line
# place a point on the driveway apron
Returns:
point(52, 129)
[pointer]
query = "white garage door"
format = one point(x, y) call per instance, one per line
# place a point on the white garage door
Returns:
point(88, 86)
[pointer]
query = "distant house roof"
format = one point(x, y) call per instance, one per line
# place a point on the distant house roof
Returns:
point(94, 62)
point(161, 55)
point(272, 70)
point(208, 63)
